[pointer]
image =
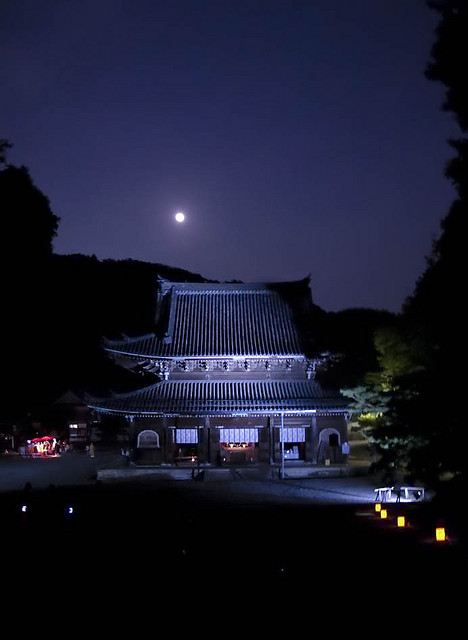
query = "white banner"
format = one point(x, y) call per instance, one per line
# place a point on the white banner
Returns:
point(186, 436)
point(294, 434)
point(238, 435)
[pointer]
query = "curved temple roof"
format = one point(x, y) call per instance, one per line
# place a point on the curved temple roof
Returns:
point(198, 398)
point(219, 320)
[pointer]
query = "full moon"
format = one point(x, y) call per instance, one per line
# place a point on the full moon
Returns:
point(180, 217)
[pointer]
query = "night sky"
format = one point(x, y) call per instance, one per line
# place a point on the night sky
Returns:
point(298, 136)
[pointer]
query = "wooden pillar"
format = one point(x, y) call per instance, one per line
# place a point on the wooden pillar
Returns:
point(207, 438)
point(214, 442)
point(272, 439)
point(313, 441)
point(276, 439)
point(264, 440)
point(167, 445)
point(130, 420)
point(204, 442)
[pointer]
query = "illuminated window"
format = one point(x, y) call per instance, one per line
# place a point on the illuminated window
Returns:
point(78, 432)
point(186, 436)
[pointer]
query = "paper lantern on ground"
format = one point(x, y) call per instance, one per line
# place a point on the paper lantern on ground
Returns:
point(440, 534)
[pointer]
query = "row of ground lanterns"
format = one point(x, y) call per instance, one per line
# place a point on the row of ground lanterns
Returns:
point(382, 511)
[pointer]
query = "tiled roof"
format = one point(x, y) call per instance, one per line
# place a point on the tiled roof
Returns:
point(196, 398)
point(207, 320)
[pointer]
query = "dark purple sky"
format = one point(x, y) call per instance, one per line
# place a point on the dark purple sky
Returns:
point(298, 136)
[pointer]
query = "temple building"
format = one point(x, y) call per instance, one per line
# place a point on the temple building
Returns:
point(235, 380)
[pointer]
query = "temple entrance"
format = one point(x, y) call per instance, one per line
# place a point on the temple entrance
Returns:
point(148, 451)
point(294, 443)
point(186, 443)
point(329, 446)
point(238, 446)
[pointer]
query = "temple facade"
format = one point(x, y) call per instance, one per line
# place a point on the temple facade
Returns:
point(235, 380)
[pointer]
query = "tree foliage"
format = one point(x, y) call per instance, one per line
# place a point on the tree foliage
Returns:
point(28, 224)
point(440, 282)
point(420, 430)
point(437, 303)
point(348, 338)
point(449, 54)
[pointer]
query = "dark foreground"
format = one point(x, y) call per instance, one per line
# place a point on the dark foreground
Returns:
point(139, 548)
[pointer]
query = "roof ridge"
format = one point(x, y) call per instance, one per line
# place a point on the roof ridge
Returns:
point(128, 339)
point(225, 290)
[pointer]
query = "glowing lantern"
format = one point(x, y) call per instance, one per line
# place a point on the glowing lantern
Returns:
point(440, 534)
point(383, 514)
point(378, 507)
point(401, 521)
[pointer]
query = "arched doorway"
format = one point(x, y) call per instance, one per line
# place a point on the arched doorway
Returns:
point(148, 449)
point(329, 446)
point(148, 439)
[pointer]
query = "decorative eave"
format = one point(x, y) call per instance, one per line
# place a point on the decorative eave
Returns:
point(218, 414)
point(122, 348)
point(224, 398)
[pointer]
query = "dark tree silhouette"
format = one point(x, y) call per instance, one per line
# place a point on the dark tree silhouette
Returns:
point(413, 398)
point(4, 145)
point(28, 227)
point(423, 427)
point(28, 224)
point(448, 56)
point(440, 281)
